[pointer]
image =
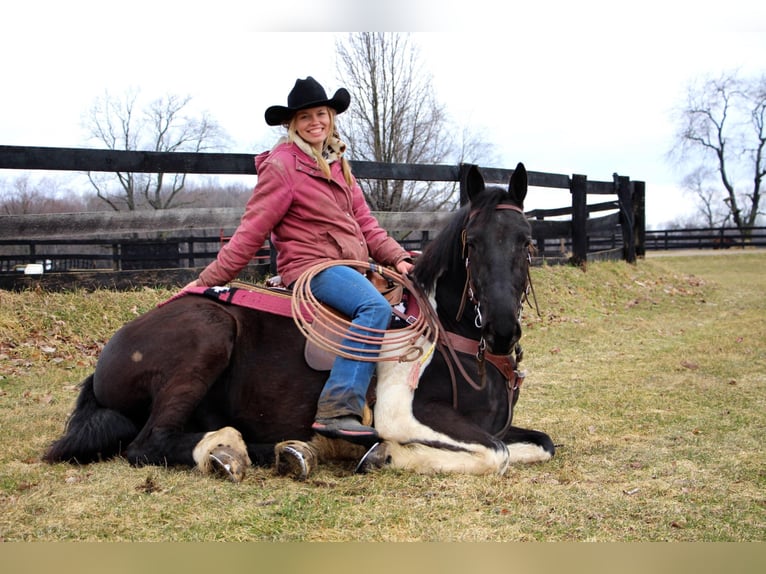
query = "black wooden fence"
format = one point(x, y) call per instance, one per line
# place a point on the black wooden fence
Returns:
point(190, 238)
point(705, 238)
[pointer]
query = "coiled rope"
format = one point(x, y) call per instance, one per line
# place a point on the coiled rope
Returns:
point(326, 328)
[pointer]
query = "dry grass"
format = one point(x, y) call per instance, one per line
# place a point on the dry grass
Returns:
point(651, 378)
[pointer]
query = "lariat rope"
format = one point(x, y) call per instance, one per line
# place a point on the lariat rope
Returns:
point(327, 328)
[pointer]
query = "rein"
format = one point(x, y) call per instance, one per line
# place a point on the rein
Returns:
point(505, 364)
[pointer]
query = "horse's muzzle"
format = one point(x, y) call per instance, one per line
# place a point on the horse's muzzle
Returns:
point(502, 341)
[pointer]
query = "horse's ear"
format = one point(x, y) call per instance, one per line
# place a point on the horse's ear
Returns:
point(517, 188)
point(471, 181)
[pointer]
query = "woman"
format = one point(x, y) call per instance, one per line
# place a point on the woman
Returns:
point(308, 200)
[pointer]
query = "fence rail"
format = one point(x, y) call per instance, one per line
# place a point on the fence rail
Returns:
point(705, 238)
point(191, 237)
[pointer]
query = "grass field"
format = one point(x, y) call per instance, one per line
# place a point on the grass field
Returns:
point(651, 378)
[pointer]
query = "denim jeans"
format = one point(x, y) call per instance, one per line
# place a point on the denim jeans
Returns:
point(351, 293)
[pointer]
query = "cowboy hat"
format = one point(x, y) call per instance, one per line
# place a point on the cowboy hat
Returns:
point(305, 94)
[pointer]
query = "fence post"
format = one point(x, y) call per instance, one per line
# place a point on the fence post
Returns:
point(424, 239)
point(639, 209)
point(579, 190)
point(538, 238)
point(627, 217)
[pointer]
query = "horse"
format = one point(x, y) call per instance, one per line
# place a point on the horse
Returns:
point(199, 383)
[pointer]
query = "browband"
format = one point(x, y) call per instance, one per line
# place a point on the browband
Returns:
point(500, 206)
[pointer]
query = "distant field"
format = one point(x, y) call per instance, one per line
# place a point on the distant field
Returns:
point(651, 378)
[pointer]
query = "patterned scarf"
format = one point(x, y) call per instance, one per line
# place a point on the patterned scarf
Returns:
point(333, 150)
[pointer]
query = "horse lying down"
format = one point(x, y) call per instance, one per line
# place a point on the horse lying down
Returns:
point(202, 382)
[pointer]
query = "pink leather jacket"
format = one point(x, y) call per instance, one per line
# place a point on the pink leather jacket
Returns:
point(311, 220)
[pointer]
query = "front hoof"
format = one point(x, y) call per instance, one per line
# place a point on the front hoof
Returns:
point(376, 457)
point(294, 458)
point(226, 463)
point(222, 452)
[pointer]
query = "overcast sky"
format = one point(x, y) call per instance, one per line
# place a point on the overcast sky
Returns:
point(566, 87)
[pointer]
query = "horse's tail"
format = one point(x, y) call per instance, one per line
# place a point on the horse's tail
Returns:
point(92, 432)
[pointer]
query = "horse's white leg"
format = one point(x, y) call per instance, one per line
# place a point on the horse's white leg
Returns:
point(414, 446)
point(222, 452)
point(527, 453)
point(470, 459)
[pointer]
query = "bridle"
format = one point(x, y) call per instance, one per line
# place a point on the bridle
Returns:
point(452, 343)
point(469, 291)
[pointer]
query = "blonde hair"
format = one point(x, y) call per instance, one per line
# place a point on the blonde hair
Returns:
point(292, 136)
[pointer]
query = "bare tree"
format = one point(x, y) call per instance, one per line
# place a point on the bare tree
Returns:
point(721, 132)
point(163, 126)
point(19, 199)
point(25, 196)
point(395, 118)
point(701, 184)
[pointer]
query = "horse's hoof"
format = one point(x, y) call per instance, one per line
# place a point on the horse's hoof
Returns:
point(225, 462)
point(222, 452)
point(291, 462)
point(376, 457)
point(295, 459)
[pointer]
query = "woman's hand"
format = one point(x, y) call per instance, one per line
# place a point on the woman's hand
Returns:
point(194, 283)
point(404, 267)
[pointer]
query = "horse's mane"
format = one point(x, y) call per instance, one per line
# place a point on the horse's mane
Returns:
point(446, 250)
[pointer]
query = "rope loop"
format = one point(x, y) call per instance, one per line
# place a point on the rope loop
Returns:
point(327, 328)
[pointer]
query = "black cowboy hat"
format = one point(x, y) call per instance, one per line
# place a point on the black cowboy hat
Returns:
point(305, 94)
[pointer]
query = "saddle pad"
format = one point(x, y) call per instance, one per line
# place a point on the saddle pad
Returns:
point(275, 301)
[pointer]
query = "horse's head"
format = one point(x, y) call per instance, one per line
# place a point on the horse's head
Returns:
point(496, 250)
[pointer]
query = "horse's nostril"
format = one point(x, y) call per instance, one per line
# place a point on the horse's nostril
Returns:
point(502, 343)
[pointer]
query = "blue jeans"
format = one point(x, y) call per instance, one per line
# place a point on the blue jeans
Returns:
point(351, 293)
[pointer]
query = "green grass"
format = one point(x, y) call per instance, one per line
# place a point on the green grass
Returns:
point(651, 378)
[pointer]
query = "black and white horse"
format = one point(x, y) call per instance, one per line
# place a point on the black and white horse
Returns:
point(200, 382)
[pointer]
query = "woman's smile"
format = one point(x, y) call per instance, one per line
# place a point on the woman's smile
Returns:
point(313, 125)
